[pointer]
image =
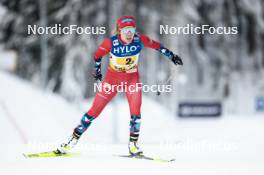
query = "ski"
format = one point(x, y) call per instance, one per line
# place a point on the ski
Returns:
point(49, 154)
point(57, 154)
point(141, 156)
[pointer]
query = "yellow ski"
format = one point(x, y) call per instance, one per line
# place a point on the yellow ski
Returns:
point(49, 154)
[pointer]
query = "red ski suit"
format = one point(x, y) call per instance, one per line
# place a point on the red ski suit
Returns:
point(126, 55)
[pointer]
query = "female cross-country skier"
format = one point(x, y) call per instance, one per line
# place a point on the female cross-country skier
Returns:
point(124, 49)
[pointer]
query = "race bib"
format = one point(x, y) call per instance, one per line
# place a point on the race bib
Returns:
point(125, 57)
point(124, 63)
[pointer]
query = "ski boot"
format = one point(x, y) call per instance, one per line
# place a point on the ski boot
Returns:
point(65, 147)
point(134, 149)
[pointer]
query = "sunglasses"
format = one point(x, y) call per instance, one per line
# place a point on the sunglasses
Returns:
point(128, 29)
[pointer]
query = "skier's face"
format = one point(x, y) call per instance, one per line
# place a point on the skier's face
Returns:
point(127, 34)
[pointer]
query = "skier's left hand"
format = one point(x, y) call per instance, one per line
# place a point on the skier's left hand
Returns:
point(176, 60)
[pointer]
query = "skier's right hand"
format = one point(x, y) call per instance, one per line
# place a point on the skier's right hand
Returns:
point(97, 70)
point(97, 76)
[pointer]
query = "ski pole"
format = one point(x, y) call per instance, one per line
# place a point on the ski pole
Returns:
point(168, 79)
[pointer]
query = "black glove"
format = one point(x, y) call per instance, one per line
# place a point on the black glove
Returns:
point(97, 76)
point(97, 70)
point(176, 60)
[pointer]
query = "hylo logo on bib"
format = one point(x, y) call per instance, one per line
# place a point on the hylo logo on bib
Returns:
point(125, 49)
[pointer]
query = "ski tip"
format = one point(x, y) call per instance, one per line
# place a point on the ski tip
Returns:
point(163, 160)
point(25, 155)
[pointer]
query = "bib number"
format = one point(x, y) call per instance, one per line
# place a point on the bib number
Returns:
point(129, 61)
point(124, 64)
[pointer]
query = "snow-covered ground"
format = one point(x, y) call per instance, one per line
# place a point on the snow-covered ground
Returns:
point(32, 120)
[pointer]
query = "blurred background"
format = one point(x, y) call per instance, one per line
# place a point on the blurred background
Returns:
point(213, 118)
point(226, 69)
point(223, 75)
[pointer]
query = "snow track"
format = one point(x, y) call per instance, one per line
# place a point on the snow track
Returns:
point(33, 121)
